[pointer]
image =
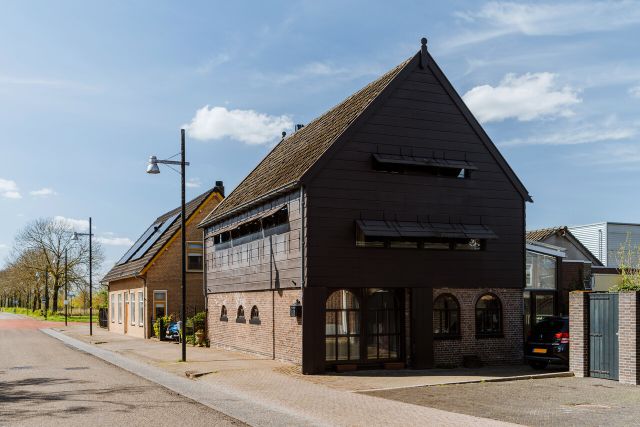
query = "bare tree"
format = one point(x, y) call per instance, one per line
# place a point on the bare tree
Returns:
point(41, 247)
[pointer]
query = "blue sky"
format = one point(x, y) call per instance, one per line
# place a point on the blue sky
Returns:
point(89, 90)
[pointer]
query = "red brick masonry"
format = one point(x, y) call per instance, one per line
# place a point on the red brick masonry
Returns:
point(492, 351)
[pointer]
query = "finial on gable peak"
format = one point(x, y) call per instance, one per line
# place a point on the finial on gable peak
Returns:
point(424, 58)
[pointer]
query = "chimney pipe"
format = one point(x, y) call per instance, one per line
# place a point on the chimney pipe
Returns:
point(220, 187)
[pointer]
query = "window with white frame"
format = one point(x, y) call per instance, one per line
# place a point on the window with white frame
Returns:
point(194, 256)
point(133, 307)
point(119, 308)
point(113, 308)
point(140, 308)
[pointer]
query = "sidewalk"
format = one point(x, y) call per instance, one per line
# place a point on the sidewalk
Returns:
point(258, 391)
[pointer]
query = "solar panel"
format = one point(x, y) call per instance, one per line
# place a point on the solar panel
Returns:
point(132, 250)
point(159, 231)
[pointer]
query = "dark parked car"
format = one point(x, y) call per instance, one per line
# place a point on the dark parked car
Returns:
point(548, 342)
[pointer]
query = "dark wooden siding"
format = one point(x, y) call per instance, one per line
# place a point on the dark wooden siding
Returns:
point(418, 119)
point(269, 263)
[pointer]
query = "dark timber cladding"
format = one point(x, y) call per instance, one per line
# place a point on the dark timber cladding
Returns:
point(381, 191)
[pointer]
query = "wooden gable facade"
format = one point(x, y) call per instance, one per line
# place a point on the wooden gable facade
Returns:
point(383, 192)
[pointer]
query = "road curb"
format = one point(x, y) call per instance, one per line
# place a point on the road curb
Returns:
point(233, 404)
point(489, 380)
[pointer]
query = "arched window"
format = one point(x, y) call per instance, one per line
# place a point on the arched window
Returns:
point(488, 316)
point(342, 328)
point(446, 317)
point(383, 325)
point(240, 316)
point(223, 314)
point(255, 316)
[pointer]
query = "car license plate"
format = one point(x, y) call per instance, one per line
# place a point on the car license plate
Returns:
point(539, 350)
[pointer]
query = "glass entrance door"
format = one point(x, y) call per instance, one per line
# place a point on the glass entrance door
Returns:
point(383, 325)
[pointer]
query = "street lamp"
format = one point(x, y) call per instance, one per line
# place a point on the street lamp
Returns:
point(153, 169)
point(76, 238)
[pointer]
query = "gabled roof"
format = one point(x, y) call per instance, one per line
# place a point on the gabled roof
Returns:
point(293, 159)
point(542, 234)
point(135, 267)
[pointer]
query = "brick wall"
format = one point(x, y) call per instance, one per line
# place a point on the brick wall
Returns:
point(492, 351)
point(278, 335)
point(579, 333)
point(628, 337)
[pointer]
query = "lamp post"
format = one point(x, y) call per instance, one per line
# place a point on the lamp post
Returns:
point(153, 168)
point(76, 238)
point(66, 272)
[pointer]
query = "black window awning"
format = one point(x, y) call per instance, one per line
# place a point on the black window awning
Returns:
point(415, 229)
point(261, 215)
point(393, 159)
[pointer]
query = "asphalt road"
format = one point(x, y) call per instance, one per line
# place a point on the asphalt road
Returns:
point(43, 382)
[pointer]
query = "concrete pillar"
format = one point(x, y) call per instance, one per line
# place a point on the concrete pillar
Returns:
point(628, 334)
point(579, 333)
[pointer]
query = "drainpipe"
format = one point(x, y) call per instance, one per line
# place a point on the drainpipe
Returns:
point(302, 266)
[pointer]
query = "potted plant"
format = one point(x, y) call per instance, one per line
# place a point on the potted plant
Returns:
point(200, 337)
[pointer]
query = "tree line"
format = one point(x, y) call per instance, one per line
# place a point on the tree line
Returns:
point(44, 257)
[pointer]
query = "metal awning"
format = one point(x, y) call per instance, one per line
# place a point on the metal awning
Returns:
point(415, 229)
point(259, 216)
point(393, 159)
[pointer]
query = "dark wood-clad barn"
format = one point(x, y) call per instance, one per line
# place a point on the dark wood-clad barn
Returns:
point(395, 223)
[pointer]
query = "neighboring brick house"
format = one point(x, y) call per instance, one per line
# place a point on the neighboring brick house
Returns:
point(396, 223)
point(145, 283)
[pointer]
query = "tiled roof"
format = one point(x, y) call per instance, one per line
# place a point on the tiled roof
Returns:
point(133, 268)
point(543, 233)
point(293, 156)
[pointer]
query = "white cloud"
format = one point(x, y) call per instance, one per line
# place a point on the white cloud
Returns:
point(3, 246)
point(193, 183)
point(496, 19)
point(9, 189)
point(80, 225)
point(246, 126)
point(635, 91)
point(212, 63)
point(43, 192)
point(319, 70)
point(526, 97)
point(114, 241)
point(609, 130)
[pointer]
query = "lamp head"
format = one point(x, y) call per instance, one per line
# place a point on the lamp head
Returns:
point(152, 167)
point(75, 237)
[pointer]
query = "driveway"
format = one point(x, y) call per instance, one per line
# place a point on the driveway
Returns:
point(565, 401)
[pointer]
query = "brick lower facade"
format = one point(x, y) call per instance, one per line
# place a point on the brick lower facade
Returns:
point(629, 337)
point(507, 349)
point(277, 335)
point(579, 333)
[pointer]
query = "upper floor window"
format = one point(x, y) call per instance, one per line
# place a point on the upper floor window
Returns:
point(412, 165)
point(418, 235)
point(488, 316)
point(541, 271)
point(273, 221)
point(446, 317)
point(194, 256)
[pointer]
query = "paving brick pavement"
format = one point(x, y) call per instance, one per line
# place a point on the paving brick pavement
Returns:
point(261, 386)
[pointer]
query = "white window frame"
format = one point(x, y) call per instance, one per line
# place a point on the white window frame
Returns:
point(113, 307)
point(132, 307)
point(166, 301)
point(201, 254)
point(119, 307)
point(141, 308)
